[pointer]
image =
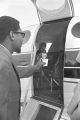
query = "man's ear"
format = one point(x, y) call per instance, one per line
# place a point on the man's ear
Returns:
point(11, 35)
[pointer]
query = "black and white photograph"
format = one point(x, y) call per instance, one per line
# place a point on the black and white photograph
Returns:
point(39, 59)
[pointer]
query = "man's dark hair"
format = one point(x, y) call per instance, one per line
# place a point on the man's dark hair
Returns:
point(7, 24)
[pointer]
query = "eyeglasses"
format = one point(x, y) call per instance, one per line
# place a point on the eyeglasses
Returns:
point(21, 33)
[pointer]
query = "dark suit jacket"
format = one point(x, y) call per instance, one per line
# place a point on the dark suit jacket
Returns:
point(9, 87)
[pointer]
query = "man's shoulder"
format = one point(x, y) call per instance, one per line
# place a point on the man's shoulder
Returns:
point(4, 60)
point(3, 56)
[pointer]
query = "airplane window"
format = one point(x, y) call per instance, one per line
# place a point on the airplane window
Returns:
point(72, 36)
point(30, 37)
point(27, 35)
point(76, 30)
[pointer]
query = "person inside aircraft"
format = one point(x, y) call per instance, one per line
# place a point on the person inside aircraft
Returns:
point(11, 38)
point(41, 52)
point(43, 73)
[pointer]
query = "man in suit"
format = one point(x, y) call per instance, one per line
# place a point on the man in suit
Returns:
point(11, 38)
